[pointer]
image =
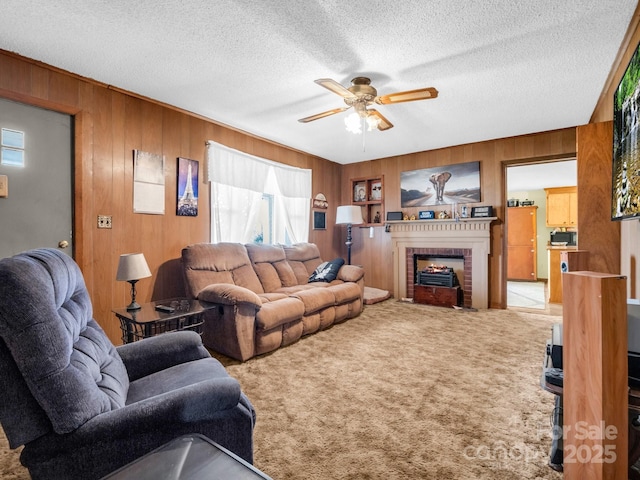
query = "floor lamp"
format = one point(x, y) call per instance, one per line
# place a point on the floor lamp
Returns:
point(349, 215)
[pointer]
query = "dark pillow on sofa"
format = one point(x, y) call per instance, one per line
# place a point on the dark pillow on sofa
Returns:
point(327, 271)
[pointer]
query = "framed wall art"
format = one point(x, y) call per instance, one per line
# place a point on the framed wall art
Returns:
point(320, 220)
point(376, 190)
point(446, 185)
point(148, 182)
point(187, 201)
point(360, 192)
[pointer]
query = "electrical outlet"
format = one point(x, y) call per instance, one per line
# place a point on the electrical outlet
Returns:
point(104, 221)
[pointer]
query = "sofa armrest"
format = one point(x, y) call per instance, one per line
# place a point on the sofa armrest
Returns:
point(229, 294)
point(350, 273)
point(189, 405)
point(154, 354)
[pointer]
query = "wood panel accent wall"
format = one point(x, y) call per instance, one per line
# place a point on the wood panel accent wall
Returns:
point(109, 125)
point(629, 229)
point(375, 253)
point(597, 234)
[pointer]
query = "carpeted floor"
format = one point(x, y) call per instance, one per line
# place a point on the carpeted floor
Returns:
point(402, 391)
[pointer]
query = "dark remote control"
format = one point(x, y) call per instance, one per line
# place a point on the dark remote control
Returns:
point(165, 308)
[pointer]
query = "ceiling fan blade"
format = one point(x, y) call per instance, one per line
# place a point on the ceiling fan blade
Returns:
point(335, 87)
point(323, 114)
point(408, 96)
point(383, 123)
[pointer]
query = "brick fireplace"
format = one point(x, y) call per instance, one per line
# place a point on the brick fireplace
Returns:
point(466, 238)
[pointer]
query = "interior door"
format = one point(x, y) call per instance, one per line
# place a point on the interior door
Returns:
point(38, 210)
point(521, 243)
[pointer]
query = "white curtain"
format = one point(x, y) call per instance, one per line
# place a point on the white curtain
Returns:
point(238, 181)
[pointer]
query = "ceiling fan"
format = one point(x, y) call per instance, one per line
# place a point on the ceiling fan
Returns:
point(360, 95)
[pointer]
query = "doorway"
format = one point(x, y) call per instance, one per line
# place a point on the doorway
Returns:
point(527, 278)
point(38, 208)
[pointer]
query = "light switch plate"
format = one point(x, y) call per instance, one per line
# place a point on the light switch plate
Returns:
point(4, 186)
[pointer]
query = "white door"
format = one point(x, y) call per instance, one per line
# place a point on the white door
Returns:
point(38, 211)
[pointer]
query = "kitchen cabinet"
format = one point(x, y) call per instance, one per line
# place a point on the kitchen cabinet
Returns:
point(521, 243)
point(562, 207)
point(368, 192)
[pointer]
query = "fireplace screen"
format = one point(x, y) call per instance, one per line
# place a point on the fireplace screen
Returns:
point(438, 275)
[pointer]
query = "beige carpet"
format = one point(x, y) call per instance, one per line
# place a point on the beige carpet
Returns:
point(403, 391)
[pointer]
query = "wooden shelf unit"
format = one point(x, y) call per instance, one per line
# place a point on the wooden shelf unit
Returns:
point(368, 192)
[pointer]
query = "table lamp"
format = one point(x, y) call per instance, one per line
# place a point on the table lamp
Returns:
point(131, 268)
point(349, 215)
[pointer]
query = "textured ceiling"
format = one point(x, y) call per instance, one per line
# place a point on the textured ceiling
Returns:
point(502, 67)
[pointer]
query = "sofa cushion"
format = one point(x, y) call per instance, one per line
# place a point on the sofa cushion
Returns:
point(345, 292)
point(184, 375)
point(307, 286)
point(271, 266)
point(316, 299)
point(208, 263)
point(351, 273)
point(273, 296)
point(277, 313)
point(327, 271)
point(304, 258)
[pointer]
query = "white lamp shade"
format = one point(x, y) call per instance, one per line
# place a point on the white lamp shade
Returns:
point(132, 266)
point(349, 214)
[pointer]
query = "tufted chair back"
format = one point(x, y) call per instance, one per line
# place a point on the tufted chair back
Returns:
point(58, 369)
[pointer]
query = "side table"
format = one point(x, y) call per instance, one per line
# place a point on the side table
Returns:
point(189, 457)
point(147, 321)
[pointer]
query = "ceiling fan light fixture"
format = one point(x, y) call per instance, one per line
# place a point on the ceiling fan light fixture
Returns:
point(372, 122)
point(361, 95)
point(353, 123)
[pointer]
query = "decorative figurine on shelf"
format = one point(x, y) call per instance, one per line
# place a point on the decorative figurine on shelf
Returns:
point(405, 216)
point(443, 215)
point(412, 217)
point(376, 218)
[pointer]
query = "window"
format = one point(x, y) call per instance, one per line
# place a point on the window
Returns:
point(264, 225)
point(12, 148)
point(256, 200)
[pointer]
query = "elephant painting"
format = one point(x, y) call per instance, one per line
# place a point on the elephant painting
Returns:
point(438, 180)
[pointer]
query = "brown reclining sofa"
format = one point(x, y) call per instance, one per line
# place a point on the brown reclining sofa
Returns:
point(264, 296)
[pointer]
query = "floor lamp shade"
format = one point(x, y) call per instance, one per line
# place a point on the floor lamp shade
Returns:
point(131, 268)
point(349, 215)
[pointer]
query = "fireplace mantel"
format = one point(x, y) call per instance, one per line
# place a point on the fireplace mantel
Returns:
point(467, 233)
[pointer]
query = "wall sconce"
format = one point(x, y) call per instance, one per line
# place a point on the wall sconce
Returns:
point(131, 268)
point(349, 215)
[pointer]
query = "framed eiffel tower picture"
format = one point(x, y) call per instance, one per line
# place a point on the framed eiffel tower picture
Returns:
point(187, 202)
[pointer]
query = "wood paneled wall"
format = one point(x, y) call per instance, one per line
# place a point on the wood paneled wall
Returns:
point(109, 125)
point(375, 253)
point(597, 234)
point(629, 230)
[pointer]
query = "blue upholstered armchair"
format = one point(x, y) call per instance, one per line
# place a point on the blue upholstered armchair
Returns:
point(82, 407)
